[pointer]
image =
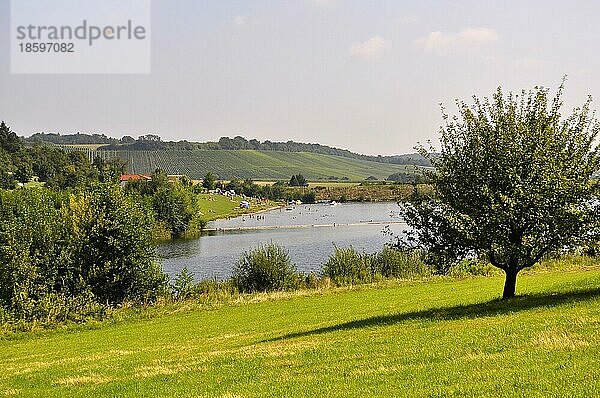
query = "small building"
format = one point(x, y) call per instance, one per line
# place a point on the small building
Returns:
point(125, 178)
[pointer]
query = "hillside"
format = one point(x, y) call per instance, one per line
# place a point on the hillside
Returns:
point(423, 339)
point(265, 165)
point(152, 142)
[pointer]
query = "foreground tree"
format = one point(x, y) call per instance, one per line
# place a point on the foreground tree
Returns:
point(61, 251)
point(511, 184)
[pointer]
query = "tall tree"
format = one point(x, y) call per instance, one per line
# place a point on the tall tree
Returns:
point(23, 166)
point(109, 169)
point(210, 181)
point(301, 180)
point(6, 171)
point(511, 183)
point(9, 140)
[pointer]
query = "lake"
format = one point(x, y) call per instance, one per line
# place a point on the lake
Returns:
point(308, 232)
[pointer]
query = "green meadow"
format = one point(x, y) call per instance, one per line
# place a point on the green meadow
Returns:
point(215, 206)
point(436, 338)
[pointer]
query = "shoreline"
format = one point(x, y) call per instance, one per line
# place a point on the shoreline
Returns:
point(298, 226)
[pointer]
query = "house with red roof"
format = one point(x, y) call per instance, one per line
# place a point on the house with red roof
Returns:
point(125, 178)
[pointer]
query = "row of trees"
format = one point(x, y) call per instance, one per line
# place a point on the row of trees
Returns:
point(76, 139)
point(406, 178)
point(58, 169)
point(277, 191)
point(174, 206)
point(79, 242)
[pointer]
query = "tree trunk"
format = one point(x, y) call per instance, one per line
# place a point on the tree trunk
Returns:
point(510, 284)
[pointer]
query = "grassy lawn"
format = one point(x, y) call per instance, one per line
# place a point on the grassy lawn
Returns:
point(439, 338)
point(215, 206)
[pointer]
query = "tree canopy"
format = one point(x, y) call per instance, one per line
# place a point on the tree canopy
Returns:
point(209, 181)
point(298, 180)
point(511, 183)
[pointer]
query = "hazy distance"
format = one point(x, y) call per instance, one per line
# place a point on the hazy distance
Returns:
point(365, 76)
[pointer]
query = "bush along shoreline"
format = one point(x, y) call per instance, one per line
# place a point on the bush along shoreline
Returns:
point(30, 304)
point(70, 256)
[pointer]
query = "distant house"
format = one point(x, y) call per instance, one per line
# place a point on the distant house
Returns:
point(125, 178)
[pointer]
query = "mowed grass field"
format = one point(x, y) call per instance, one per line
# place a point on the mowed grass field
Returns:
point(440, 338)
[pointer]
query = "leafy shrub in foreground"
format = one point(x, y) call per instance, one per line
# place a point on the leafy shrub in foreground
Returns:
point(265, 268)
point(346, 265)
point(184, 284)
point(113, 251)
point(65, 256)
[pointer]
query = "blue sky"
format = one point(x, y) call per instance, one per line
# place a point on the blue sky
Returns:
point(364, 75)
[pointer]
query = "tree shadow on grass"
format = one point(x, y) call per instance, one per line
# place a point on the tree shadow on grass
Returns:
point(468, 311)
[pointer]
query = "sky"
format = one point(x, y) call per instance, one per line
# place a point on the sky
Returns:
point(368, 76)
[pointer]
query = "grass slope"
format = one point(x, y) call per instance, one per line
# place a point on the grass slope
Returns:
point(215, 206)
point(266, 165)
point(437, 339)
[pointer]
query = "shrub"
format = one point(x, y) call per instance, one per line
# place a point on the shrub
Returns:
point(394, 263)
point(176, 207)
point(66, 256)
point(113, 253)
point(310, 280)
point(265, 268)
point(591, 249)
point(309, 197)
point(214, 291)
point(346, 265)
point(184, 284)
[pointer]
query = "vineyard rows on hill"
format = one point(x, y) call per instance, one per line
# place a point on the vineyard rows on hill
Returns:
point(269, 165)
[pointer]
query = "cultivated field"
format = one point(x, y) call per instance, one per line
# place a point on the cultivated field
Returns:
point(265, 165)
point(437, 339)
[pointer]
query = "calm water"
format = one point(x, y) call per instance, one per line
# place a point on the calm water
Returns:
point(308, 232)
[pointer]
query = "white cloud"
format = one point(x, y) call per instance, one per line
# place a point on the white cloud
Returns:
point(467, 38)
point(371, 48)
point(240, 20)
